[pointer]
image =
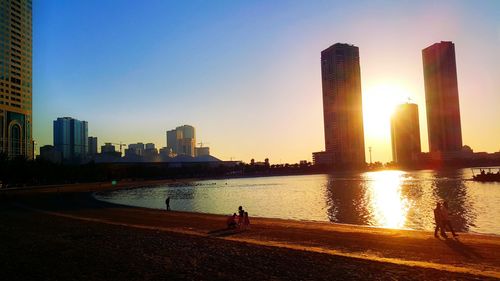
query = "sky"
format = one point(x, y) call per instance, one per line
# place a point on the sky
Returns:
point(246, 74)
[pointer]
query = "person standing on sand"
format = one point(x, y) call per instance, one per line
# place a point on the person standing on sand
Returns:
point(246, 221)
point(445, 217)
point(241, 214)
point(167, 202)
point(439, 221)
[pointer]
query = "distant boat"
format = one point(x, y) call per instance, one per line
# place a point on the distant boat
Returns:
point(486, 174)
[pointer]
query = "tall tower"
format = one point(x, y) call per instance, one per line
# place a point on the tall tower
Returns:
point(342, 105)
point(71, 138)
point(405, 134)
point(441, 98)
point(182, 140)
point(15, 78)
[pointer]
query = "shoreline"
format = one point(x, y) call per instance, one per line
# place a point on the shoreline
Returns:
point(474, 254)
point(223, 216)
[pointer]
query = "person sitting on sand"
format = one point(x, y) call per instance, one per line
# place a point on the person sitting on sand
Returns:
point(246, 221)
point(231, 221)
point(445, 219)
point(439, 222)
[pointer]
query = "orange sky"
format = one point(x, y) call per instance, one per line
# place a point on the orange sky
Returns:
point(252, 88)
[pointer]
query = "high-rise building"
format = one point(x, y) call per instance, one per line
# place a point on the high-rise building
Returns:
point(342, 105)
point(92, 146)
point(405, 134)
point(108, 148)
point(172, 140)
point(182, 140)
point(71, 138)
point(135, 149)
point(16, 78)
point(441, 98)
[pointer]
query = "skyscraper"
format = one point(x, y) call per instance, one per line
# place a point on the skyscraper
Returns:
point(405, 134)
point(182, 140)
point(441, 98)
point(92, 146)
point(15, 78)
point(342, 105)
point(71, 138)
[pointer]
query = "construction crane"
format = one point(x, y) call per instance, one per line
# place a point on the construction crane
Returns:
point(201, 143)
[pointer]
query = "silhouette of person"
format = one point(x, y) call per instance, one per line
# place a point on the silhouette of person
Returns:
point(167, 202)
point(241, 214)
point(439, 221)
point(246, 221)
point(445, 219)
point(231, 221)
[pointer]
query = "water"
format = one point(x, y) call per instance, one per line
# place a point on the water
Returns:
point(391, 199)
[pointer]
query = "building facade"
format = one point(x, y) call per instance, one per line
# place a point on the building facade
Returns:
point(71, 138)
point(182, 140)
point(16, 78)
point(441, 98)
point(202, 151)
point(92, 146)
point(405, 134)
point(342, 105)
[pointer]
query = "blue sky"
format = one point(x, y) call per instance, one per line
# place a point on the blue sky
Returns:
point(246, 74)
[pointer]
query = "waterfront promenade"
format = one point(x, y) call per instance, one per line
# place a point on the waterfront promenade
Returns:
point(62, 226)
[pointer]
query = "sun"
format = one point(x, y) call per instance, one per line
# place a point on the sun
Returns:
point(379, 102)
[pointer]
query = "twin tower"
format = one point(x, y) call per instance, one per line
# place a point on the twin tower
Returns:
point(343, 115)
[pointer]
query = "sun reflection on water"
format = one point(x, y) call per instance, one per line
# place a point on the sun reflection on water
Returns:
point(389, 207)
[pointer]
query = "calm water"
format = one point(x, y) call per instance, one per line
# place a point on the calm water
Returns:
point(393, 199)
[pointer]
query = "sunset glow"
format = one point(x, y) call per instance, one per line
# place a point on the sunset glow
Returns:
point(243, 83)
point(379, 102)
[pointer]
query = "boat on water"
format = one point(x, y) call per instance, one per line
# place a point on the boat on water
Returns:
point(486, 174)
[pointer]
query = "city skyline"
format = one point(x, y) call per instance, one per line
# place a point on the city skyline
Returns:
point(246, 112)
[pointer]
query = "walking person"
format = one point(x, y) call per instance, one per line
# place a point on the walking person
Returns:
point(445, 217)
point(167, 202)
point(439, 222)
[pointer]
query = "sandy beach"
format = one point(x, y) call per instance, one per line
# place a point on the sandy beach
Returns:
point(63, 233)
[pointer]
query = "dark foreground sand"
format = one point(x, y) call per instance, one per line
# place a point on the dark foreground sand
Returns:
point(50, 235)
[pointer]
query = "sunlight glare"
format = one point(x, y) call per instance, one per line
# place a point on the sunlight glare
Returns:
point(389, 208)
point(379, 102)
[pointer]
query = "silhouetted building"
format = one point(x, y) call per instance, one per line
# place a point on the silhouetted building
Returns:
point(441, 97)
point(108, 154)
point(16, 79)
point(70, 138)
point(151, 153)
point(322, 158)
point(108, 148)
point(202, 151)
point(182, 140)
point(92, 146)
point(405, 134)
point(342, 106)
point(48, 153)
point(150, 146)
point(135, 149)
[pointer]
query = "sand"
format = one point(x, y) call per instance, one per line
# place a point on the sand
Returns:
point(62, 233)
